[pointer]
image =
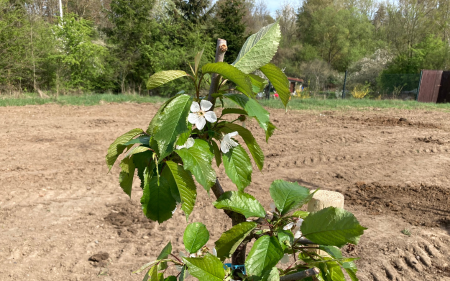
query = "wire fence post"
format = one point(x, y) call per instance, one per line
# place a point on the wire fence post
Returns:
point(343, 90)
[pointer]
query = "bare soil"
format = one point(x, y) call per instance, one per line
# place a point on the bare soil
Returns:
point(64, 217)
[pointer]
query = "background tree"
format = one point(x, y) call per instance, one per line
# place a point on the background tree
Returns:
point(229, 24)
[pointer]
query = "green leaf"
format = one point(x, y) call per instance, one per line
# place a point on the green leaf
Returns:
point(142, 161)
point(186, 187)
point(141, 140)
point(232, 238)
point(155, 119)
point(258, 83)
point(231, 73)
point(171, 278)
point(171, 123)
point(240, 202)
point(126, 175)
point(253, 108)
point(259, 49)
point(279, 81)
point(238, 167)
point(183, 274)
point(250, 141)
point(163, 77)
point(206, 268)
point(152, 274)
point(184, 136)
point(335, 253)
point(272, 275)
point(285, 237)
point(137, 150)
point(118, 146)
point(337, 227)
point(234, 111)
point(157, 200)
point(217, 153)
point(144, 267)
point(265, 254)
point(197, 160)
point(288, 195)
point(270, 130)
point(300, 214)
point(331, 271)
point(164, 255)
point(195, 237)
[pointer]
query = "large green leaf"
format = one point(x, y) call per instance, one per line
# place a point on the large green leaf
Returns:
point(253, 108)
point(206, 268)
point(272, 275)
point(126, 175)
point(118, 146)
point(186, 187)
point(154, 122)
point(279, 81)
point(238, 167)
point(231, 73)
point(288, 195)
point(250, 141)
point(157, 200)
point(232, 238)
point(195, 237)
point(259, 49)
point(197, 160)
point(163, 77)
point(142, 161)
point(337, 227)
point(171, 123)
point(164, 255)
point(265, 254)
point(240, 202)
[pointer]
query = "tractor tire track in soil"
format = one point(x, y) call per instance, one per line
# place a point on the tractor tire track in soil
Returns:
point(64, 217)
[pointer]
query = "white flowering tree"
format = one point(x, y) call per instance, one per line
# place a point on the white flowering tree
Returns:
point(178, 149)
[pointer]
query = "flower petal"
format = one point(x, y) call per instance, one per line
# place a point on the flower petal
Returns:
point(298, 234)
point(288, 226)
point(189, 143)
point(224, 147)
point(210, 116)
point(233, 134)
point(195, 107)
point(201, 122)
point(193, 118)
point(205, 105)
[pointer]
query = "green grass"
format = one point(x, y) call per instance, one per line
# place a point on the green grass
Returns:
point(295, 104)
point(92, 99)
point(349, 104)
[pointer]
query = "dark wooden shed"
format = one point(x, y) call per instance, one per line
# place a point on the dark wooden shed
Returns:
point(434, 86)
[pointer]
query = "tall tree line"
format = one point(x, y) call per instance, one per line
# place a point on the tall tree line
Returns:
point(115, 45)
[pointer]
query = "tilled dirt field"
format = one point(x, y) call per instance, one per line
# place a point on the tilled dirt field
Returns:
point(59, 207)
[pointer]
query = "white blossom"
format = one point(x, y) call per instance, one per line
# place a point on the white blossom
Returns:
point(227, 142)
point(200, 114)
point(188, 144)
point(298, 234)
point(214, 252)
